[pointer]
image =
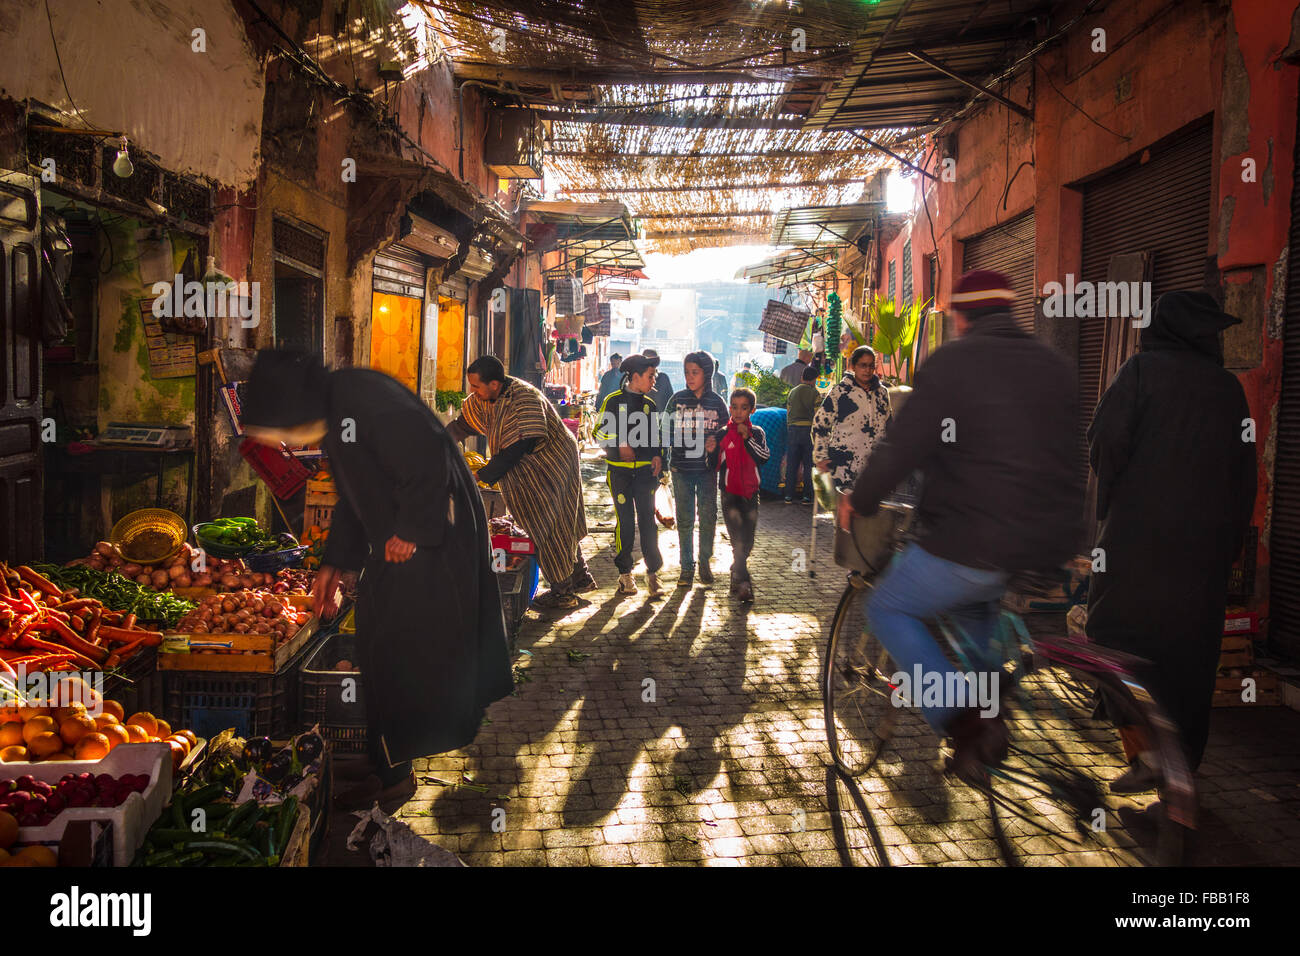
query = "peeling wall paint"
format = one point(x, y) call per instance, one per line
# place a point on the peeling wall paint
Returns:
point(121, 59)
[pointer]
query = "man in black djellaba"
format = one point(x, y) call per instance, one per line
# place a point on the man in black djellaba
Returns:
point(431, 638)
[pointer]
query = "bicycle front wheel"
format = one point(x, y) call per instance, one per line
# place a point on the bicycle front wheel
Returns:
point(856, 690)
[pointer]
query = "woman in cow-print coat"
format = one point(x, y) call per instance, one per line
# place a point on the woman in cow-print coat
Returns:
point(851, 419)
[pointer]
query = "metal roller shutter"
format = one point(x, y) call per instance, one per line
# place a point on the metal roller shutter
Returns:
point(1284, 536)
point(400, 271)
point(1160, 207)
point(1009, 249)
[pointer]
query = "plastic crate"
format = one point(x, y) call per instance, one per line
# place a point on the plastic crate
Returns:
point(255, 705)
point(342, 723)
point(137, 685)
point(283, 473)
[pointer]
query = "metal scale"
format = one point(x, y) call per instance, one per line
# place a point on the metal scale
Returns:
point(146, 435)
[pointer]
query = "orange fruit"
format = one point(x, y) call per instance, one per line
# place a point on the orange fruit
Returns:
point(180, 740)
point(105, 720)
point(9, 712)
point(43, 745)
point(63, 713)
point(35, 726)
point(40, 855)
point(75, 727)
point(178, 752)
point(13, 755)
point(8, 829)
point(164, 729)
point(116, 734)
point(62, 755)
point(188, 735)
point(72, 690)
point(146, 720)
point(34, 709)
point(114, 708)
point(11, 734)
point(136, 734)
point(92, 747)
point(18, 861)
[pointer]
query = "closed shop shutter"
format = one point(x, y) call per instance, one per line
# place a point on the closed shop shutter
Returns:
point(1160, 208)
point(1284, 538)
point(400, 271)
point(457, 287)
point(1009, 249)
point(907, 271)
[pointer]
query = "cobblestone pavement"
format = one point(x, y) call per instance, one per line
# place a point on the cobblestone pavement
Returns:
point(689, 730)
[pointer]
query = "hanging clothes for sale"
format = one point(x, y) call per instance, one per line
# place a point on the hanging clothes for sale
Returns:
point(526, 337)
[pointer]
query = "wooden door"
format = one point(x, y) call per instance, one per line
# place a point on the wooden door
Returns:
point(21, 455)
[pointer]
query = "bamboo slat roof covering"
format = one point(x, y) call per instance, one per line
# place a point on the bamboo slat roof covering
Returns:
point(706, 116)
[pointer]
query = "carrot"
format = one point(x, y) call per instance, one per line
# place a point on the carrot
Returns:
point(4, 588)
point(41, 583)
point(6, 670)
point(76, 643)
point(123, 653)
point(18, 629)
point(120, 635)
point(128, 622)
point(69, 606)
point(92, 630)
point(37, 644)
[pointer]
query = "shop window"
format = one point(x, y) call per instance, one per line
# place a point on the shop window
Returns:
point(299, 312)
point(893, 272)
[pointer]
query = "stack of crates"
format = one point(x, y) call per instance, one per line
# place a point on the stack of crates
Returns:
point(1237, 665)
point(318, 511)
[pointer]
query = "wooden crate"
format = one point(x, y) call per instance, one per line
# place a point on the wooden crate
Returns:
point(1236, 651)
point(1268, 692)
point(318, 515)
point(263, 660)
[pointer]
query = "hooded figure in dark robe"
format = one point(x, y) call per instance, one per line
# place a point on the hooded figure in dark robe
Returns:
point(431, 640)
point(1175, 489)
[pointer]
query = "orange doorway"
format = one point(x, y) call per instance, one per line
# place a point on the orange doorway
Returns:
point(395, 337)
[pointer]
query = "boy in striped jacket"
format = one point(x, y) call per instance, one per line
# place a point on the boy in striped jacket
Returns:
point(742, 447)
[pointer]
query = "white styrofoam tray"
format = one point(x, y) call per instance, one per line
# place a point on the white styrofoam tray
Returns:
point(131, 821)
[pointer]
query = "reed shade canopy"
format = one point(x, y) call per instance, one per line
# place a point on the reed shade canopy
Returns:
point(705, 117)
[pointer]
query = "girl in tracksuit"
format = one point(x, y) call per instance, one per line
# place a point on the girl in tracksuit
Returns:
point(742, 447)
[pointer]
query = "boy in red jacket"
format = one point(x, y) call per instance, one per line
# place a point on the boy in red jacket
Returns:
point(742, 447)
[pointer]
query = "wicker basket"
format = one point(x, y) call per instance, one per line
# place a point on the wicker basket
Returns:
point(157, 520)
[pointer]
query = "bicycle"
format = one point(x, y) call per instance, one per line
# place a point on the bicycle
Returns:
point(865, 709)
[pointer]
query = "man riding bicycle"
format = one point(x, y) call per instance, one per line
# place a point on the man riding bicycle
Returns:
point(992, 426)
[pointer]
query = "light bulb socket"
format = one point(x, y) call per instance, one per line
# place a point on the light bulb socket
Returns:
point(122, 166)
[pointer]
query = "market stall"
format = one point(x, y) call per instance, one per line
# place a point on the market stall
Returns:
point(102, 658)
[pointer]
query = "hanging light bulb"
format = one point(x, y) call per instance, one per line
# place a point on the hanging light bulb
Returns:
point(122, 166)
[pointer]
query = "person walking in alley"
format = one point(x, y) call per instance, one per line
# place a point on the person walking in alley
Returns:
point(410, 518)
point(991, 422)
point(662, 390)
point(610, 380)
point(792, 374)
point(1175, 492)
point(535, 458)
point(799, 406)
point(851, 420)
point(742, 447)
point(698, 414)
point(628, 428)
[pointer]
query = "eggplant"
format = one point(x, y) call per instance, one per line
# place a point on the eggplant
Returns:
point(308, 748)
point(279, 767)
point(257, 751)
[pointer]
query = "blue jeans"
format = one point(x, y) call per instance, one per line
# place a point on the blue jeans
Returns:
point(915, 588)
point(691, 491)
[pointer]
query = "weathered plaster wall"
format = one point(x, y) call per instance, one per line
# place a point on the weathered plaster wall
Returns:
point(127, 392)
point(122, 59)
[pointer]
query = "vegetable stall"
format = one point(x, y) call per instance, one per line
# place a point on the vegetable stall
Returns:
point(149, 701)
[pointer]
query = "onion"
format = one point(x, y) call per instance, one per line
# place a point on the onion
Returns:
point(228, 605)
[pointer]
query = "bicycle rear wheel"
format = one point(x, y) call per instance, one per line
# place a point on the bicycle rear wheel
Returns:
point(1160, 834)
point(855, 687)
